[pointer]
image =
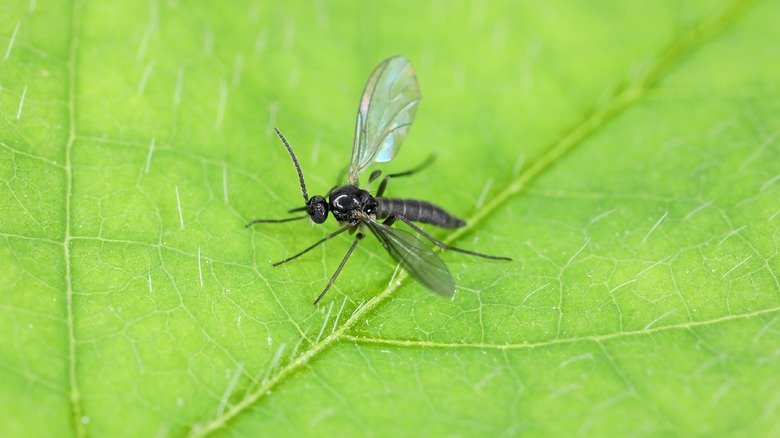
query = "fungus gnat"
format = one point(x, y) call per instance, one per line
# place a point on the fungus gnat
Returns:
point(386, 111)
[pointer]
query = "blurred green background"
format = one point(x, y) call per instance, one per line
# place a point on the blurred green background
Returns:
point(625, 154)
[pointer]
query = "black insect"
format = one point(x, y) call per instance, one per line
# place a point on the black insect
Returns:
point(387, 108)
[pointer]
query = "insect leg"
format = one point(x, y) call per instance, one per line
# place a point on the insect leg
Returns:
point(275, 221)
point(329, 236)
point(383, 184)
point(358, 237)
point(444, 245)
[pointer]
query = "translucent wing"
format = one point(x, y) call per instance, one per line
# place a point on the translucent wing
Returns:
point(415, 256)
point(386, 111)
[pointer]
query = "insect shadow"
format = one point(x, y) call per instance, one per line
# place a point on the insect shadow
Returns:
point(387, 109)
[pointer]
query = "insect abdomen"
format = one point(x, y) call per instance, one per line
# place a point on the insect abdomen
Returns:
point(417, 211)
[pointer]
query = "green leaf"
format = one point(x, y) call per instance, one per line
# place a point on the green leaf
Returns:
point(625, 154)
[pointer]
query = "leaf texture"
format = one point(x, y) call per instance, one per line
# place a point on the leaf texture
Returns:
point(624, 154)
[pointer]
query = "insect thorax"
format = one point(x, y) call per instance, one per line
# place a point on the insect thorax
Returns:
point(346, 201)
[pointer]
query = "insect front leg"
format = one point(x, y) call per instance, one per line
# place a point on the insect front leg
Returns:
point(278, 221)
point(275, 221)
point(329, 236)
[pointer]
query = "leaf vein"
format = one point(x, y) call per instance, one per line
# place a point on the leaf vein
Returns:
point(77, 416)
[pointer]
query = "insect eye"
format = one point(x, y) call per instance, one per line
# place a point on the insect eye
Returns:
point(317, 208)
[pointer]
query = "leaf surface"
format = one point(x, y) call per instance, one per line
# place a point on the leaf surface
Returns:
point(624, 154)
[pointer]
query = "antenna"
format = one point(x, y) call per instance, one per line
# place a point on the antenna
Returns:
point(295, 162)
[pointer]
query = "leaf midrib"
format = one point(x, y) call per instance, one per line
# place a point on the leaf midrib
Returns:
point(74, 393)
point(622, 100)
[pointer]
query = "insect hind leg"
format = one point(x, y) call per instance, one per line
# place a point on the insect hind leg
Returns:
point(383, 185)
point(390, 220)
point(443, 245)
